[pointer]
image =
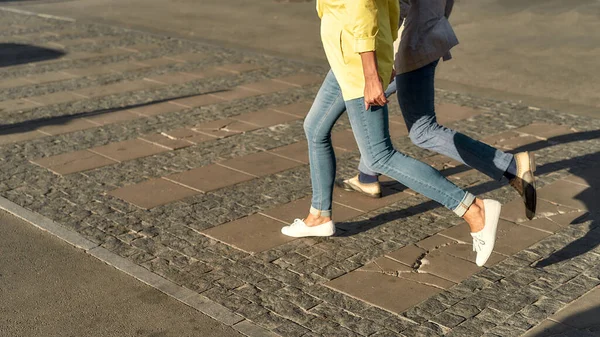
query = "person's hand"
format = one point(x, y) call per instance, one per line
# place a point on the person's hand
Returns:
point(393, 75)
point(374, 94)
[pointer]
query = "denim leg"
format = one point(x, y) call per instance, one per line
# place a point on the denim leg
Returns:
point(371, 130)
point(362, 167)
point(324, 112)
point(416, 94)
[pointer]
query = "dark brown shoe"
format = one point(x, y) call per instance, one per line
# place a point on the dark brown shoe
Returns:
point(524, 182)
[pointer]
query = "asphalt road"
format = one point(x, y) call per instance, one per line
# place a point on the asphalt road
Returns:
point(49, 288)
point(544, 53)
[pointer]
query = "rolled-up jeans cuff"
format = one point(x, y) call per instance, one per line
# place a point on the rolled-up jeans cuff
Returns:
point(317, 212)
point(464, 205)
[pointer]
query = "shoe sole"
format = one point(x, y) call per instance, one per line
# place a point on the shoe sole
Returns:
point(496, 215)
point(529, 191)
point(351, 188)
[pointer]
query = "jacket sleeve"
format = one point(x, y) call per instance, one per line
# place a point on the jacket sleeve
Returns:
point(363, 23)
point(448, 9)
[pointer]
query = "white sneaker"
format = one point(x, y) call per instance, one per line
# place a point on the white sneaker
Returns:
point(299, 229)
point(484, 240)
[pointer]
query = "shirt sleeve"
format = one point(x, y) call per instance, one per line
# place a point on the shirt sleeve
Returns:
point(363, 17)
point(395, 14)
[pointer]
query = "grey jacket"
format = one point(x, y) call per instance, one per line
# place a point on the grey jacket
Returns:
point(426, 34)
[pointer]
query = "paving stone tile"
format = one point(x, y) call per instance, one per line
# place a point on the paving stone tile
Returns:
point(156, 109)
point(112, 117)
point(128, 150)
point(500, 137)
point(122, 67)
point(365, 203)
point(300, 80)
point(397, 131)
point(187, 57)
point(434, 242)
point(252, 234)
point(447, 266)
point(513, 239)
point(160, 61)
point(67, 125)
point(544, 224)
point(152, 193)
point(544, 130)
point(586, 177)
point(394, 268)
point(448, 112)
point(224, 127)
point(267, 86)
point(396, 120)
point(344, 140)
point(72, 162)
point(571, 218)
point(209, 178)
point(18, 135)
point(518, 143)
point(407, 255)
point(197, 101)
point(298, 209)
point(583, 313)
point(465, 252)
point(260, 164)
point(190, 135)
point(239, 68)
point(50, 77)
point(297, 151)
point(139, 48)
point(514, 211)
point(375, 288)
point(162, 140)
point(174, 78)
point(235, 93)
point(18, 104)
point(299, 109)
point(13, 83)
point(264, 118)
point(572, 195)
point(56, 98)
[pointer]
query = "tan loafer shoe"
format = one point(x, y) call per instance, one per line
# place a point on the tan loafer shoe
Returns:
point(524, 182)
point(372, 190)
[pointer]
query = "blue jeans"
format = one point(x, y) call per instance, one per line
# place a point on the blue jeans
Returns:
point(371, 131)
point(416, 92)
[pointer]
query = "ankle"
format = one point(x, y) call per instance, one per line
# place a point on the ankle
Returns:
point(475, 216)
point(313, 220)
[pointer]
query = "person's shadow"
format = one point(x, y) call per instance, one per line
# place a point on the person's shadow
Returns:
point(590, 197)
point(12, 54)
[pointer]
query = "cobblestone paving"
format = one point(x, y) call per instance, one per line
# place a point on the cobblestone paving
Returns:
point(400, 267)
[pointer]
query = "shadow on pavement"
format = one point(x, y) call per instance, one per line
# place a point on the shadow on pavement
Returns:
point(582, 324)
point(34, 124)
point(589, 196)
point(12, 54)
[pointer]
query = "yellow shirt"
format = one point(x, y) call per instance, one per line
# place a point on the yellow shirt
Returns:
point(350, 27)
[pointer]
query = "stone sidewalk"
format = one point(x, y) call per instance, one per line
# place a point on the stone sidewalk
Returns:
point(187, 159)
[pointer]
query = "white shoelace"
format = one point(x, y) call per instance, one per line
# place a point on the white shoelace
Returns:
point(298, 223)
point(478, 244)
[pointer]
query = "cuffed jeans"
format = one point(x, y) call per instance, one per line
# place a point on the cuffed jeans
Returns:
point(371, 131)
point(416, 93)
